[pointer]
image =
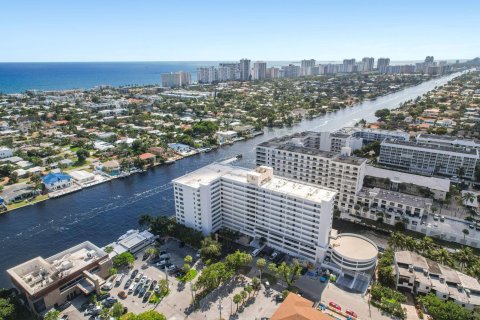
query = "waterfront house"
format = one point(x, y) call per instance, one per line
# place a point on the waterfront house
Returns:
point(111, 167)
point(82, 176)
point(56, 181)
point(149, 158)
point(17, 192)
point(225, 136)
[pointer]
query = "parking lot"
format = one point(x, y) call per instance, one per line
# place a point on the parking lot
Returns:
point(175, 305)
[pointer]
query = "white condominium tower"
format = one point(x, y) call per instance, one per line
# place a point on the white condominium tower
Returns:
point(299, 157)
point(259, 70)
point(244, 67)
point(294, 217)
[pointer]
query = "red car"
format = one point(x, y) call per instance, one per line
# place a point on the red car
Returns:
point(351, 313)
point(335, 306)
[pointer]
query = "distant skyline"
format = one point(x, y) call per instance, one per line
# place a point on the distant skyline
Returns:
point(148, 30)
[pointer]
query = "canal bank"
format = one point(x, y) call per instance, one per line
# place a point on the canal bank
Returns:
point(100, 213)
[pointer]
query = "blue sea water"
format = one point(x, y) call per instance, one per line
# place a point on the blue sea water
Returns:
point(19, 77)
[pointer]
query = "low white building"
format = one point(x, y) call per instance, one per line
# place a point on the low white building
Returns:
point(82, 176)
point(5, 152)
point(417, 274)
point(294, 217)
point(225, 136)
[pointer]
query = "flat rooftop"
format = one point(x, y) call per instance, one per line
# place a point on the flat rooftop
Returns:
point(403, 177)
point(397, 197)
point(287, 143)
point(39, 273)
point(420, 145)
point(354, 247)
point(215, 171)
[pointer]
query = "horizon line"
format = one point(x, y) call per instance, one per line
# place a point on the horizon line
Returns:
point(222, 60)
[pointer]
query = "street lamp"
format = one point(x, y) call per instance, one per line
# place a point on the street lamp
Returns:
point(220, 308)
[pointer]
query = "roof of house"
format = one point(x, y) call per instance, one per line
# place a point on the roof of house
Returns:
point(55, 177)
point(147, 155)
point(297, 308)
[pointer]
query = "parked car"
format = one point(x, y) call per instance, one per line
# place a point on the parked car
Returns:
point(128, 284)
point(153, 284)
point(145, 256)
point(164, 256)
point(138, 277)
point(436, 217)
point(273, 255)
point(142, 291)
point(334, 305)
point(323, 279)
point(107, 286)
point(351, 313)
point(137, 290)
point(134, 274)
point(119, 279)
point(256, 252)
point(122, 294)
point(146, 296)
point(148, 282)
point(64, 317)
point(279, 298)
point(132, 288)
point(162, 252)
point(171, 267)
point(198, 254)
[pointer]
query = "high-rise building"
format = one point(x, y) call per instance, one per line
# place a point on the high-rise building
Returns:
point(367, 64)
point(307, 67)
point(206, 74)
point(244, 67)
point(426, 158)
point(349, 65)
point(290, 71)
point(382, 64)
point(176, 79)
point(273, 73)
point(228, 71)
point(293, 216)
point(308, 63)
point(259, 70)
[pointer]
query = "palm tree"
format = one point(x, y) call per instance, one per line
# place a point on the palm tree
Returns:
point(443, 256)
point(256, 283)
point(468, 197)
point(397, 241)
point(261, 263)
point(237, 299)
point(425, 245)
point(465, 233)
point(465, 256)
point(244, 296)
point(248, 289)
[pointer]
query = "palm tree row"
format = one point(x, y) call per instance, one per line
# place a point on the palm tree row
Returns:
point(463, 259)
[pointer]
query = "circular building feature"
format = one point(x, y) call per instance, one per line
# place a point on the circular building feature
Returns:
point(353, 252)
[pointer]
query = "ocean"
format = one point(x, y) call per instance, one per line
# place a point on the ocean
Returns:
point(19, 77)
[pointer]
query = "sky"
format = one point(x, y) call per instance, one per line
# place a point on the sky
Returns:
point(189, 30)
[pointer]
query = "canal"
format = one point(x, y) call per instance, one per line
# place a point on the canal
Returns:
point(102, 213)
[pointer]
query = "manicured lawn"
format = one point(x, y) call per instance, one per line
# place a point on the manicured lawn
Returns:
point(189, 276)
point(25, 202)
